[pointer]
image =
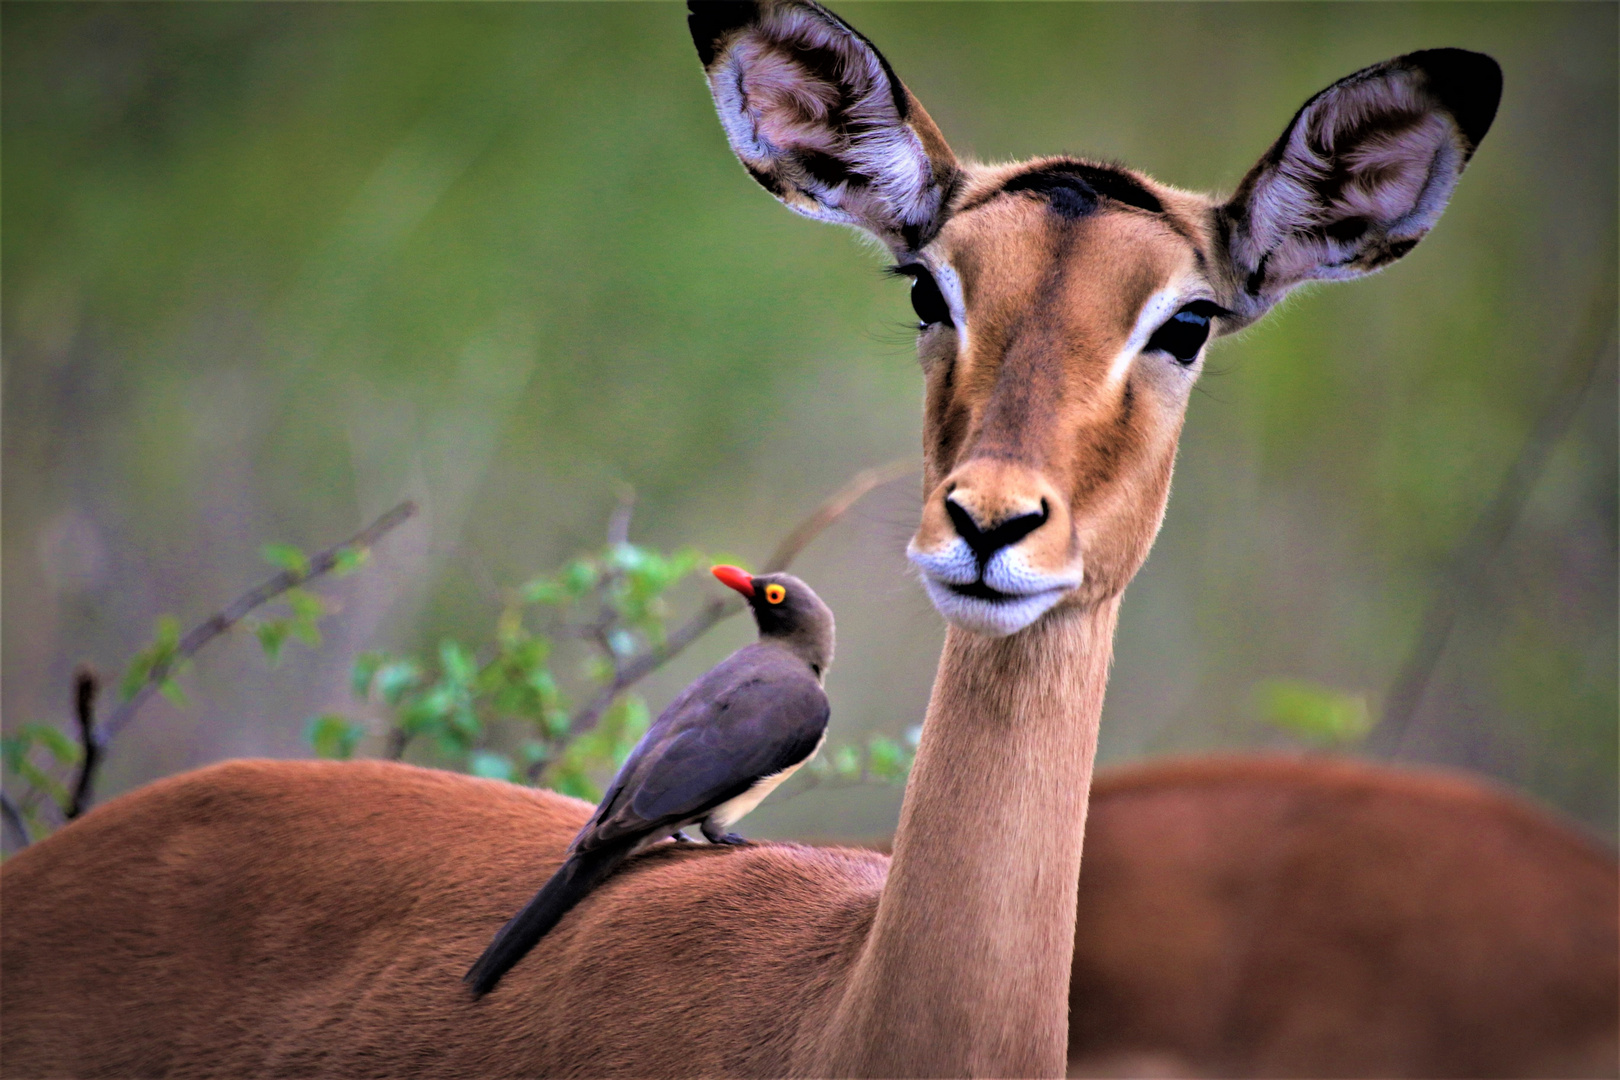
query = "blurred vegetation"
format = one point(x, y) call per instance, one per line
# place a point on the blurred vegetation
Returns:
point(498, 711)
point(268, 268)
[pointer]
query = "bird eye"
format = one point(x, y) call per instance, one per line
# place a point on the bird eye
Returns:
point(775, 594)
point(1186, 331)
point(926, 299)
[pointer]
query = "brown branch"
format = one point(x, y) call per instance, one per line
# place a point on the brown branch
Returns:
point(90, 748)
point(718, 609)
point(832, 509)
point(232, 613)
point(1484, 540)
point(13, 817)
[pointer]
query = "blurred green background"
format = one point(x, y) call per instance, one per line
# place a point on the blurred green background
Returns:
point(268, 268)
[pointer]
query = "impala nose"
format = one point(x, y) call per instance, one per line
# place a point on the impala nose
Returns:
point(985, 538)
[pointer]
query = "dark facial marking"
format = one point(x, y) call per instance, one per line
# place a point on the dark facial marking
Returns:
point(1093, 180)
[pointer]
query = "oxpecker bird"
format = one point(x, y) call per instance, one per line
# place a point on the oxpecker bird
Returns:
point(723, 745)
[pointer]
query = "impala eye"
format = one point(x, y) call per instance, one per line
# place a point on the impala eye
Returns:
point(926, 299)
point(1186, 331)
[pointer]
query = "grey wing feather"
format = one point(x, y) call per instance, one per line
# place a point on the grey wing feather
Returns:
point(759, 716)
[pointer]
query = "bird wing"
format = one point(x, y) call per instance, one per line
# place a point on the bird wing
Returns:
point(752, 716)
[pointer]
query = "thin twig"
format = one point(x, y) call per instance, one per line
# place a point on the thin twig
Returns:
point(237, 609)
point(618, 531)
point(13, 817)
point(1482, 543)
point(832, 509)
point(90, 748)
point(718, 609)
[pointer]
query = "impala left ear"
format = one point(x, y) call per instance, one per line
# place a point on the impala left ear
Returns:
point(1358, 177)
point(817, 116)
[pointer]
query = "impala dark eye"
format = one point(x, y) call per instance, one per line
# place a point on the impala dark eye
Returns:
point(926, 299)
point(1186, 331)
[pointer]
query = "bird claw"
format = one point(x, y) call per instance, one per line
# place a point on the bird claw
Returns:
point(728, 838)
point(680, 837)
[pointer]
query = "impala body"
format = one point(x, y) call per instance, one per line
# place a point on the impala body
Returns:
point(262, 919)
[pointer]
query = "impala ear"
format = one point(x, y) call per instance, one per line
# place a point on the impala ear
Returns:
point(817, 116)
point(1359, 176)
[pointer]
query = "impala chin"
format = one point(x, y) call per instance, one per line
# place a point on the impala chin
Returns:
point(1002, 598)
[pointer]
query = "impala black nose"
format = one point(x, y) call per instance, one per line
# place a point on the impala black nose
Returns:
point(985, 542)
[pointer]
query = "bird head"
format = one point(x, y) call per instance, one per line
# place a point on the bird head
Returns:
point(787, 611)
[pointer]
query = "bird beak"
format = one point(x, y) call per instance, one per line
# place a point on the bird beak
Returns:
point(735, 577)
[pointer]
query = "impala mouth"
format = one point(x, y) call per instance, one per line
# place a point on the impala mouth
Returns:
point(978, 590)
point(1001, 597)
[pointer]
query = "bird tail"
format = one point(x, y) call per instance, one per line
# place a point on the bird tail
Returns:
point(579, 874)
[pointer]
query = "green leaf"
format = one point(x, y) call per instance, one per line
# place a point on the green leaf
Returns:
point(334, 736)
point(171, 690)
point(886, 759)
point(13, 748)
point(168, 637)
point(557, 723)
point(348, 559)
point(456, 662)
point(364, 670)
point(579, 577)
point(305, 604)
point(395, 678)
point(846, 762)
point(543, 591)
point(65, 750)
point(272, 635)
point(288, 558)
point(573, 781)
point(492, 766)
point(1313, 711)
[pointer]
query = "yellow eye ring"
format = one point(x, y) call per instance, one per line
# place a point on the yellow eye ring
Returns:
point(775, 594)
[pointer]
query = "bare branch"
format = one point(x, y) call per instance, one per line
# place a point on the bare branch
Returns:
point(237, 609)
point(718, 609)
point(618, 531)
point(1482, 543)
point(90, 748)
point(832, 509)
point(13, 817)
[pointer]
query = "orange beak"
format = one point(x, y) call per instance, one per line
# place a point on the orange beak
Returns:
point(735, 577)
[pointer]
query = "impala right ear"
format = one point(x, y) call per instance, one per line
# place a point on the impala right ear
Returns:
point(817, 116)
point(1359, 177)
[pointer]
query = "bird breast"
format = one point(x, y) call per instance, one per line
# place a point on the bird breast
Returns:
point(734, 810)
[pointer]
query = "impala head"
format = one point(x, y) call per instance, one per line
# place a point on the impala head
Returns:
point(1064, 305)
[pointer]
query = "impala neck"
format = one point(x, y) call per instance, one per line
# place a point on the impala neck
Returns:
point(966, 970)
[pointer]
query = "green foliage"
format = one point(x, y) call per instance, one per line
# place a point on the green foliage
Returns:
point(287, 557)
point(334, 736)
point(502, 710)
point(160, 661)
point(304, 609)
point(879, 760)
point(158, 656)
point(1313, 712)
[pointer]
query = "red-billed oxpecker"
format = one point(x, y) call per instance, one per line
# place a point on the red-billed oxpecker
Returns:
point(723, 745)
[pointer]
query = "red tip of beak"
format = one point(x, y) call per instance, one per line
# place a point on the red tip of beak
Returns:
point(735, 577)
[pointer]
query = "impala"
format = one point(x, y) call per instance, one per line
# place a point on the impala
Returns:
point(281, 918)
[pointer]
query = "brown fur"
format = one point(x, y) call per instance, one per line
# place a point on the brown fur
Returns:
point(1321, 917)
point(1300, 917)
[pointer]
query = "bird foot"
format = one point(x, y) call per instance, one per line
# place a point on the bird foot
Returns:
point(680, 837)
point(729, 838)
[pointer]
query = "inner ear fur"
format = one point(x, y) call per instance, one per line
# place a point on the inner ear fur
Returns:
point(1358, 177)
point(817, 116)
